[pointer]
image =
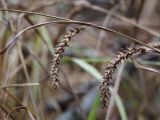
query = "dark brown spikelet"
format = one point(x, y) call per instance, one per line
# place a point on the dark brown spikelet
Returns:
point(111, 67)
point(54, 73)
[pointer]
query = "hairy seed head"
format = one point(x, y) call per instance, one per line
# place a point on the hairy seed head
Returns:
point(59, 50)
point(111, 67)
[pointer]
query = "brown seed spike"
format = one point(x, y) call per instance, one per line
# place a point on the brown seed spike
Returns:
point(54, 72)
point(111, 67)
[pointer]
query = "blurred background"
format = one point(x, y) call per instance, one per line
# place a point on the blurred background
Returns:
point(26, 92)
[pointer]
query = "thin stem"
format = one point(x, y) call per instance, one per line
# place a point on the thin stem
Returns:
point(80, 23)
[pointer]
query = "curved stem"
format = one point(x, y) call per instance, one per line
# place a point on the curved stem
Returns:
point(80, 23)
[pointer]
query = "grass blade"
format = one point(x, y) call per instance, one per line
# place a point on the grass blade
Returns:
point(96, 105)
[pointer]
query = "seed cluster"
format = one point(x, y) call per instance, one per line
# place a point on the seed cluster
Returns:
point(111, 67)
point(54, 73)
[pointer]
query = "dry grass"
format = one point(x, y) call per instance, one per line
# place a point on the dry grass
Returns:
point(33, 32)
